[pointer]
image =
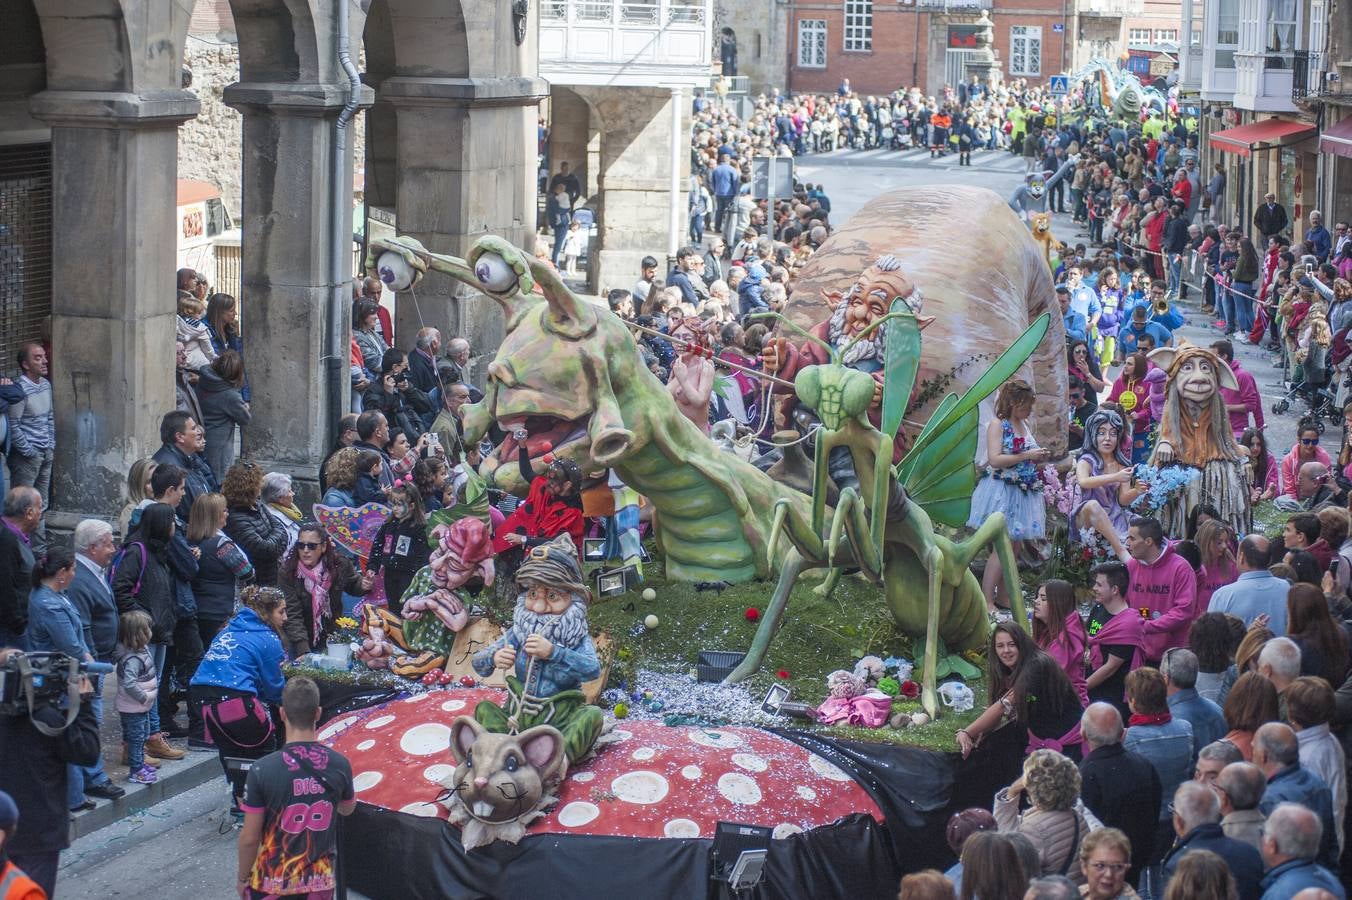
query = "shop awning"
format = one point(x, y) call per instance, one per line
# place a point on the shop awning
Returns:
point(1262, 135)
point(1337, 139)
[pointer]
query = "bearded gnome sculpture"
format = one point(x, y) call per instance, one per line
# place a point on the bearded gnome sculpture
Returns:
point(1195, 431)
point(548, 650)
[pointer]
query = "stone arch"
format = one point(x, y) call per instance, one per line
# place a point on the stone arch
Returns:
point(130, 46)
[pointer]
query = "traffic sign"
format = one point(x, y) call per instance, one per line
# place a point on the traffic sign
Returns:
point(1060, 84)
point(772, 177)
point(1058, 28)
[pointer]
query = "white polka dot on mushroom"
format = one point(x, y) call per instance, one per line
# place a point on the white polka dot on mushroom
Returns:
point(438, 773)
point(740, 789)
point(691, 773)
point(453, 705)
point(426, 739)
point(806, 793)
point(620, 735)
point(709, 737)
point(640, 787)
point(379, 722)
point(784, 829)
point(366, 745)
point(364, 781)
point(681, 828)
point(578, 813)
point(424, 808)
point(333, 728)
point(827, 769)
point(584, 777)
point(750, 762)
point(643, 754)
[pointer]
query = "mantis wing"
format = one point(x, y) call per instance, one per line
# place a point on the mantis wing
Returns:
point(900, 366)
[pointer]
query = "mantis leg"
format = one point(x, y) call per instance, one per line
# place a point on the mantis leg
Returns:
point(770, 622)
point(929, 697)
point(994, 532)
point(857, 530)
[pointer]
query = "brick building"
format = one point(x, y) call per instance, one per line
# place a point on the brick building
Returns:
point(879, 46)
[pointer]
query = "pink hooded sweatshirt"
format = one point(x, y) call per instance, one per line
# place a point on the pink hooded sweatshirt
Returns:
point(1167, 590)
point(1068, 650)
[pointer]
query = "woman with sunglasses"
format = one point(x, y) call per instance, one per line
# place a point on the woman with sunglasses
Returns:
point(313, 578)
point(1306, 449)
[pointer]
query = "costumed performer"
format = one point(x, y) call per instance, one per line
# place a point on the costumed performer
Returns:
point(553, 505)
point(1105, 476)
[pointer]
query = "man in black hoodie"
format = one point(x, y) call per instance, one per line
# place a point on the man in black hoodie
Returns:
point(1175, 244)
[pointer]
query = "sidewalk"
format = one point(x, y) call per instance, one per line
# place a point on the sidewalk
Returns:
point(176, 776)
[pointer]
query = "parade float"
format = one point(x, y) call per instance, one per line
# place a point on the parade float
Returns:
point(591, 738)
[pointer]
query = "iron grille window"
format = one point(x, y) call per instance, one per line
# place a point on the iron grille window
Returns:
point(812, 43)
point(25, 247)
point(1025, 50)
point(858, 24)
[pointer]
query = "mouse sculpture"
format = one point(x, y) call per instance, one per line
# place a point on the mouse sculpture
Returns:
point(501, 782)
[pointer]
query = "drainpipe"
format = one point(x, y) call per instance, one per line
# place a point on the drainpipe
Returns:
point(336, 349)
point(678, 142)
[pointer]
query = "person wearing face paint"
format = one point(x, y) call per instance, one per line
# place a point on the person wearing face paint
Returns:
point(1106, 479)
point(1028, 687)
point(553, 505)
point(399, 548)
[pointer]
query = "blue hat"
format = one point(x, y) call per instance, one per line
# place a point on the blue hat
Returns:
point(9, 813)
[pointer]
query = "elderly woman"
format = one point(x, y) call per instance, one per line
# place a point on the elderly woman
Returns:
point(1053, 824)
point(1105, 857)
point(249, 524)
point(280, 499)
point(314, 577)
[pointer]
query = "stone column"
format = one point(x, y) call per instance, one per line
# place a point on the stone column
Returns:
point(286, 281)
point(634, 181)
point(114, 164)
point(467, 167)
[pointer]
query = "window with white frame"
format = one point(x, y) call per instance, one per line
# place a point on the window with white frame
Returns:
point(1138, 36)
point(1281, 31)
point(1166, 35)
point(858, 24)
point(1025, 50)
point(812, 43)
point(1227, 33)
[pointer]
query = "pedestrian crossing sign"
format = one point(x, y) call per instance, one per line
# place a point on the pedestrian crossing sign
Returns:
point(1060, 84)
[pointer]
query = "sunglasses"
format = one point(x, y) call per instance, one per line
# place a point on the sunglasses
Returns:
point(309, 545)
point(1309, 442)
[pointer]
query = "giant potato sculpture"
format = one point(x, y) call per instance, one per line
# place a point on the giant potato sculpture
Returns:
point(982, 275)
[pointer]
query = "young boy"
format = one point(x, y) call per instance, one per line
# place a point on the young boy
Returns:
point(292, 794)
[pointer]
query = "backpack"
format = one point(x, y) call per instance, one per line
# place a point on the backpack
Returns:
point(145, 558)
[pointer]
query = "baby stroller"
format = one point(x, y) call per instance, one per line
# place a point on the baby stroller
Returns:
point(1314, 389)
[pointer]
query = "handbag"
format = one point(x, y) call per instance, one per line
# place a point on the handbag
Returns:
point(244, 720)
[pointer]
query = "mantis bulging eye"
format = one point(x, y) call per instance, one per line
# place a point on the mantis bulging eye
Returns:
point(494, 273)
point(857, 393)
point(807, 385)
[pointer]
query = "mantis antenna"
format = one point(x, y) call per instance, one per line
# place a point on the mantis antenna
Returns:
point(784, 320)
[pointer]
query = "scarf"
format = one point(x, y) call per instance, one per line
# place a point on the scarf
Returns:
point(1124, 628)
point(317, 582)
point(1163, 718)
point(292, 512)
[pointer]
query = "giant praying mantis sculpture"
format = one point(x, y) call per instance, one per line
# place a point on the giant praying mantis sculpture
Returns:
point(570, 374)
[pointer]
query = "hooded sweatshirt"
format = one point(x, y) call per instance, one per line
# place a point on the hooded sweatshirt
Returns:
point(1166, 589)
point(246, 655)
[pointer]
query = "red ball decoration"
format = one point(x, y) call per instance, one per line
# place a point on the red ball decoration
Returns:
point(910, 690)
point(548, 458)
point(752, 614)
point(467, 681)
point(783, 674)
point(546, 446)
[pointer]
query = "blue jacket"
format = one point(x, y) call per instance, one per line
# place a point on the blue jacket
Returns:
point(1169, 749)
point(1077, 326)
point(54, 624)
point(751, 292)
point(1323, 243)
point(1297, 784)
point(246, 655)
point(1240, 858)
point(681, 280)
point(1290, 878)
point(92, 597)
point(1205, 717)
point(726, 180)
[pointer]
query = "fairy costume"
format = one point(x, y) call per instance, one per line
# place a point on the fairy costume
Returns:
point(1106, 495)
point(1015, 491)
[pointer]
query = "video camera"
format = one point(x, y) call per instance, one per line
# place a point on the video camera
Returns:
point(33, 681)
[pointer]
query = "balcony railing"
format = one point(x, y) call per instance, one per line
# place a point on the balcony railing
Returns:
point(1307, 76)
point(951, 6)
point(1111, 9)
point(620, 42)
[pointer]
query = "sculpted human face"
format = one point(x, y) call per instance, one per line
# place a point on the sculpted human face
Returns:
point(870, 297)
point(547, 601)
point(1106, 440)
point(1197, 379)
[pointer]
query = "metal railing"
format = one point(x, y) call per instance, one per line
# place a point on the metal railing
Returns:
point(623, 12)
point(1307, 75)
point(1111, 9)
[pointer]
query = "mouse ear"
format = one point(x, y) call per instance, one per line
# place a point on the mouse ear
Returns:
point(543, 746)
point(464, 732)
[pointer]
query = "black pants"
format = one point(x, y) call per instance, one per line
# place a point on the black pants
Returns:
point(180, 665)
point(200, 695)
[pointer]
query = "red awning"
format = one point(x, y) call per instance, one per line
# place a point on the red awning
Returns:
point(1337, 139)
point(1262, 135)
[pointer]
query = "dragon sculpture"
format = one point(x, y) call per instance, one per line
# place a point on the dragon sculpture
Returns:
point(569, 373)
point(1117, 92)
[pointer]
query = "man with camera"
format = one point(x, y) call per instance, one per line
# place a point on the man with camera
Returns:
point(38, 739)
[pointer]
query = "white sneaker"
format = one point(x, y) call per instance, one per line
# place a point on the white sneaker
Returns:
point(1243, 339)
